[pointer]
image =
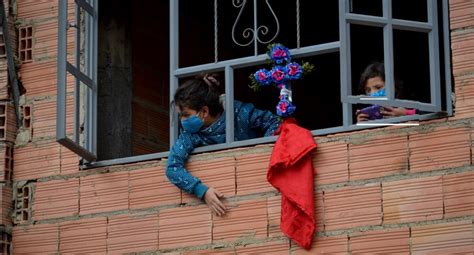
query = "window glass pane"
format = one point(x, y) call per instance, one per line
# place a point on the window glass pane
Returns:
point(410, 10)
point(285, 13)
point(150, 77)
point(195, 93)
point(316, 96)
point(229, 39)
point(196, 32)
point(367, 70)
point(276, 22)
point(411, 65)
point(367, 7)
point(366, 49)
point(319, 22)
point(133, 78)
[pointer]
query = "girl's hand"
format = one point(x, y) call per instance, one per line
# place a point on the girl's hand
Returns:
point(362, 116)
point(212, 198)
point(393, 111)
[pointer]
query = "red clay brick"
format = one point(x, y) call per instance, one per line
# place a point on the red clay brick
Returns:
point(444, 147)
point(103, 192)
point(8, 122)
point(132, 233)
point(69, 161)
point(44, 116)
point(274, 215)
point(6, 205)
point(461, 13)
point(395, 241)
point(36, 160)
point(458, 194)
point(84, 236)
point(150, 188)
point(352, 207)
point(184, 226)
point(331, 163)
point(446, 238)
point(274, 248)
point(40, 78)
point(245, 219)
point(412, 200)
point(34, 239)
point(46, 42)
point(319, 211)
point(42, 9)
point(464, 90)
point(325, 245)
point(4, 86)
point(216, 173)
point(6, 162)
point(54, 199)
point(251, 174)
point(378, 157)
point(220, 251)
point(462, 48)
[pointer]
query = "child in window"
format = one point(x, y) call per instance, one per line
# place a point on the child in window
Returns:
point(372, 83)
point(202, 120)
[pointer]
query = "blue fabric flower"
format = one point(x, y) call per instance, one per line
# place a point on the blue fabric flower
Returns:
point(293, 71)
point(279, 54)
point(263, 77)
point(285, 108)
point(278, 74)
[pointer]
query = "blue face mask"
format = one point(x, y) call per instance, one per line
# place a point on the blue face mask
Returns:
point(192, 124)
point(379, 93)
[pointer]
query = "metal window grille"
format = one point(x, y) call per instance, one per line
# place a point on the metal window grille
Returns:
point(84, 72)
point(387, 22)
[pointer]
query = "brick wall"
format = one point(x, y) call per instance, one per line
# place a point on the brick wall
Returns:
point(388, 190)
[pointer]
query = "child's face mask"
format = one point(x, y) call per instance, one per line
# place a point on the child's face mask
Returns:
point(378, 93)
point(192, 124)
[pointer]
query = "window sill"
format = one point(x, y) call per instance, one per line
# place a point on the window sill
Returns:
point(263, 140)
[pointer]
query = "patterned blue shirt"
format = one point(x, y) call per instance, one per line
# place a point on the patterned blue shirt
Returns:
point(248, 120)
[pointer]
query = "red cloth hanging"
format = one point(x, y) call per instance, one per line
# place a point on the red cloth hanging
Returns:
point(291, 171)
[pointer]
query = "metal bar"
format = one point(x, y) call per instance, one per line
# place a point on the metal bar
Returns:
point(87, 7)
point(394, 102)
point(215, 31)
point(80, 75)
point(251, 61)
point(435, 87)
point(298, 35)
point(12, 75)
point(229, 105)
point(88, 119)
point(126, 160)
point(447, 57)
point(250, 142)
point(345, 62)
point(61, 87)
point(71, 145)
point(255, 27)
point(414, 26)
point(174, 58)
point(366, 20)
point(77, 84)
point(95, 46)
point(388, 50)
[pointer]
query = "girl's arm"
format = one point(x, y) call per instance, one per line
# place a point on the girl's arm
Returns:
point(262, 119)
point(175, 171)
